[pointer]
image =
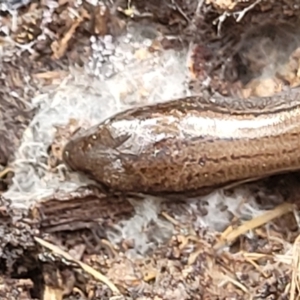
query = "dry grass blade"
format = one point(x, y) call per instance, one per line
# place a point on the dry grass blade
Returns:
point(170, 219)
point(52, 294)
point(228, 279)
point(257, 267)
point(232, 235)
point(296, 269)
point(255, 256)
point(84, 266)
point(5, 172)
point(50, 75)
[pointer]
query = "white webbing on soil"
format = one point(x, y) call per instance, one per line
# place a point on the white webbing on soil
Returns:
point(158, 76)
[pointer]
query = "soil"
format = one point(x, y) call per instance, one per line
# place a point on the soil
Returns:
point(58, 248)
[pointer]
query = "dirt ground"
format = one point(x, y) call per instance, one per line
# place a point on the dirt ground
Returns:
point(63, 65)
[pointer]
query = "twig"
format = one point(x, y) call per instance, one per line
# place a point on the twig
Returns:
point(295, 269)
point(236, 283)
point(84, 266)
point(254, 223)
point(239, 15)
point(5, 172)
point(199, 6)
point(180, 11)
point(170, 219)
point(242, 13)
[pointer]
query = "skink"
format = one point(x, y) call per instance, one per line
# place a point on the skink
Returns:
point(191, 146)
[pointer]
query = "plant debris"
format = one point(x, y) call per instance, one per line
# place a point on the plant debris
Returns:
point(89, 244)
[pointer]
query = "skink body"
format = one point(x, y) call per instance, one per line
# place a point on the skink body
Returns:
point(191, 145)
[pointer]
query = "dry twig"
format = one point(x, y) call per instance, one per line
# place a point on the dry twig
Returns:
point(232, 235)
point(84, 266)
point(295, 286)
